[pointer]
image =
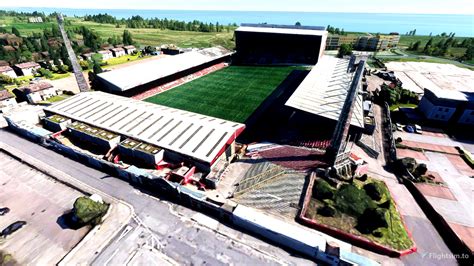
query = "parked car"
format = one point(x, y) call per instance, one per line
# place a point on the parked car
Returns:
point(418, 129)
point(4, 211)
point(399, 127)
point(12, 228)
point(410, 129)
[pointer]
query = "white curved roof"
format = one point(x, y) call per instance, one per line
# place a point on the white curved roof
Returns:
point(324, 91)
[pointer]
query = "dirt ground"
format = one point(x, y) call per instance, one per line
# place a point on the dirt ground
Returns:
point(40, 201)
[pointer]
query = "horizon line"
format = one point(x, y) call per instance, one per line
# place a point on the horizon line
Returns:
point(241, 10)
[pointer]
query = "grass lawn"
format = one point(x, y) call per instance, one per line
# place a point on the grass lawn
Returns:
point(57, 98)
point(402, 105)
point(60, 76)
point(232, 93)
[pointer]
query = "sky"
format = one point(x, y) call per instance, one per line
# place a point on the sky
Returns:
point(368, 6)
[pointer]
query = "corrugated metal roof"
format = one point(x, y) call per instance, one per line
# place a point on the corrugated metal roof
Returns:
point(282, 31)
point(324, 91)
point(187, 133)
point(130, 77)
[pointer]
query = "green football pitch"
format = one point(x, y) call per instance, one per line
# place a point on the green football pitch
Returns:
point(232, 93)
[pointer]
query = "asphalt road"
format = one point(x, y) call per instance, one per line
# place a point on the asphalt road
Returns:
point(180, 239)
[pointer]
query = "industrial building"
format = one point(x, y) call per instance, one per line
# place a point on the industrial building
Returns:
point(146, 75)
point(445, 90)
point(268, 44)
point(106, 119)
point(448, 106)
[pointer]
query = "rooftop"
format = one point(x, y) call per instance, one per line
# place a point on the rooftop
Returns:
point(135, 75)
point(104, 52)
point(93, 131)
point(280, 30)
point(4, 94)
point(35, 87)
point(57, 118)
point(324, 91)
point(129, 47)
point(27, 65)
point(187, 133)
point(444, 80)
point(5, 69)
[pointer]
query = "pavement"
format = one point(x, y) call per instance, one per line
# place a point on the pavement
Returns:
point(167, 227)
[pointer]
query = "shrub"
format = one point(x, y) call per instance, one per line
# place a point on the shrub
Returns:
point(375, 190)
point(408, 163)
point(363, 178)
point(86, 211)
point(352, 200)
point(45, 73)
point(322, 190)
point(420, 170)
point(371, 219)
point(327, 211)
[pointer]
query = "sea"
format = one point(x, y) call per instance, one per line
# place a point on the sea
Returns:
point(425, 24)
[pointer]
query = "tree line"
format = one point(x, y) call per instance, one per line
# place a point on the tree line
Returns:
point(337, 31)
point(156, 23)
point(441, 47)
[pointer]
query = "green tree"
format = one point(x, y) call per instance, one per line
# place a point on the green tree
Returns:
point(469, 54)
point(16, 31)
point(428, 45)
point(127, 38)
point(416, 46)
point(298, 24)
point(344, 49)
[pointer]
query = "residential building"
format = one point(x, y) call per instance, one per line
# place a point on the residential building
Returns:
point(87, 56)
point(7, 99)
point(26, 69)
point(106, 54)
point(448, 106)
point(38, 92)
point(35, 20)
point(130, 49)
point(9, 48)
point(7, 70)
point(118, 52)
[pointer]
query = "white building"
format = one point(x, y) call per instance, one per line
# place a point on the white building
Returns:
point(8, 71)
point(130, 49)
point(27, 69)
point(7, 99)
point(106, 54)
point(38, 92)
point(118, 52)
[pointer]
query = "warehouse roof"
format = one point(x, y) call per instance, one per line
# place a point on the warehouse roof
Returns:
point(130, 77)
point(324, 91)
point(198, 136)
point(294, 31)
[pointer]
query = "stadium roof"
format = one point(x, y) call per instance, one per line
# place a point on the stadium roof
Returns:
point(194, 135)
point(293, 31)
point(133, 76)
point(324, 91)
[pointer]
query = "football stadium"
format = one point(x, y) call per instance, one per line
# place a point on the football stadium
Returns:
point(200, 109)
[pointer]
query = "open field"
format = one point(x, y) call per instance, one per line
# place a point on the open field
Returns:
point(233, 93)
point(142, 36)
